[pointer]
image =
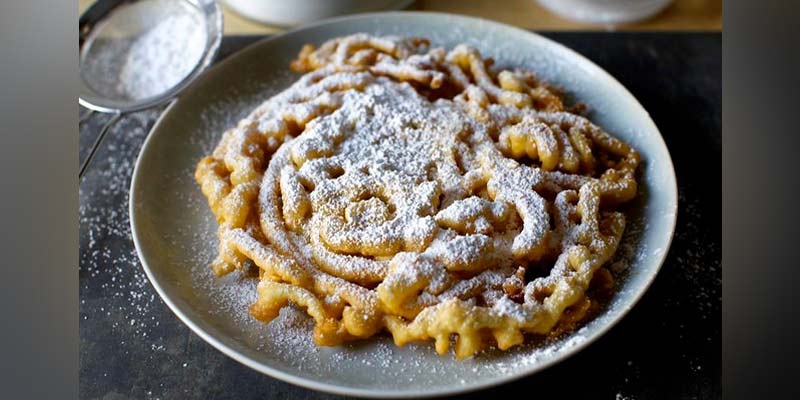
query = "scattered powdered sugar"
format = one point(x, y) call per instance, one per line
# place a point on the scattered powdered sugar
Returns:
point(506, 306)
point(124, 300)
point(529, 354)
point(630, 250)
point(704, 277)
point(231, 107)
point(290, 331)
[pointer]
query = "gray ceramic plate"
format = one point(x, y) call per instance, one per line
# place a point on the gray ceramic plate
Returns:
point(175, 233)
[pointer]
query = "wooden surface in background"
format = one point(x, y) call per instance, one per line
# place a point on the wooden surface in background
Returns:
point(681, 15)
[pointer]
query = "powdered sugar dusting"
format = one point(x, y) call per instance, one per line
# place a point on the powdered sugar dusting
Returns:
point(373, 152)
point(113, 286)
point(288, 339)
point(163, 56)
point(291, 332)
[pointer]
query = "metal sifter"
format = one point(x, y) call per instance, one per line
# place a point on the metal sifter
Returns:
point(139, 54)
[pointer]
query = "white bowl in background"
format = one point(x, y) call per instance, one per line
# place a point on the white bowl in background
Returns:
point(293, 12)
point(606, 11)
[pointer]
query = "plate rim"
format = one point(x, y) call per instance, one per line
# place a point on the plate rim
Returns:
point(412, 392)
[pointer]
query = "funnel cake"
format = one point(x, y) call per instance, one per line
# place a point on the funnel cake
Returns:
point(402, 188)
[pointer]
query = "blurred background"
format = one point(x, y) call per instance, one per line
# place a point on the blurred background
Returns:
point(248, 17)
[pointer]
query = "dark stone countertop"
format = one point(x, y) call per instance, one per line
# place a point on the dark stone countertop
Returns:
point(669, 345)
